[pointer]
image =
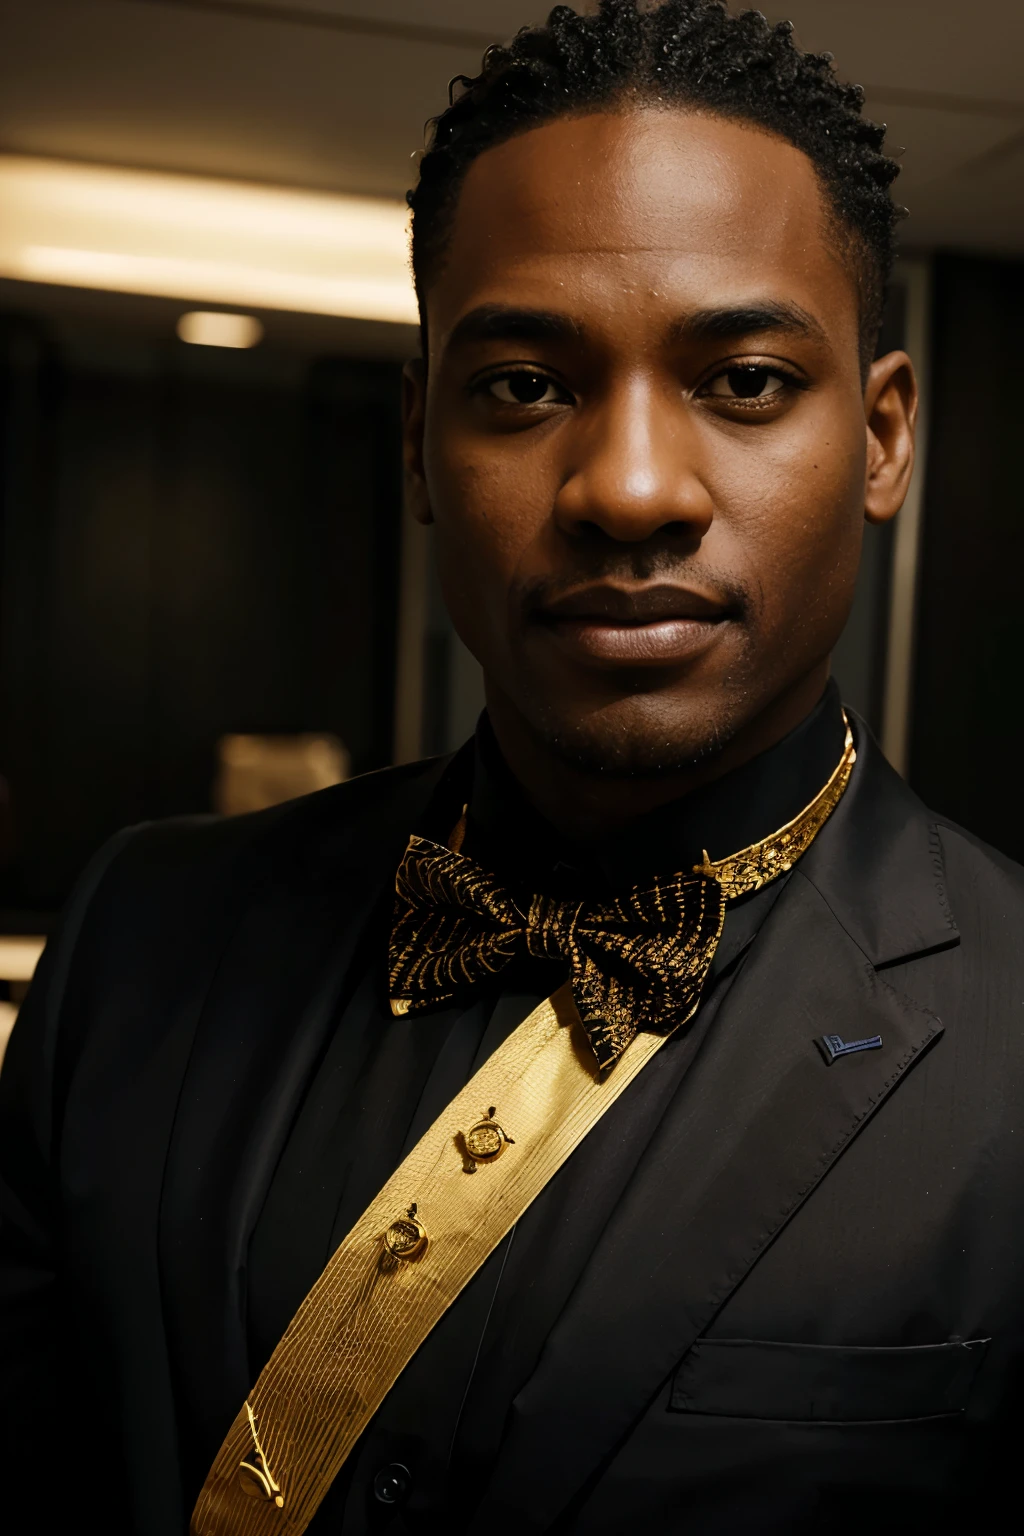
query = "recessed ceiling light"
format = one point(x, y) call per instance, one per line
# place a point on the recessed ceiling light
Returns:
point(214, 328)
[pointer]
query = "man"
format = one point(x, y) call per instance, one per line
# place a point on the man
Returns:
point(735, 1246)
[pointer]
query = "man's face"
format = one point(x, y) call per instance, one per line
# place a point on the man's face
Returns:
point(643, 437)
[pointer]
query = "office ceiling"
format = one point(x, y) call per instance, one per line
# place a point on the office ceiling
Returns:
point(335, 93)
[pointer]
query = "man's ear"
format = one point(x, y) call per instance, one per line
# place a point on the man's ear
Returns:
point(414, 398)
point(890, 407)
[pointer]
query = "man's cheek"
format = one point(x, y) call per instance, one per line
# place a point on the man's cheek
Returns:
point(474, 572)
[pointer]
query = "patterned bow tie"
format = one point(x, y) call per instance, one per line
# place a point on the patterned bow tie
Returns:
point(636, 962)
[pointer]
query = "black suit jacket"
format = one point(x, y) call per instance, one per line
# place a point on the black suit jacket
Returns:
point(805, 1313)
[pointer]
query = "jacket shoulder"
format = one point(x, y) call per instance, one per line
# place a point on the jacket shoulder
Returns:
point(971, 860)
point(205, 842)
point(985, 895)
point(175, 886)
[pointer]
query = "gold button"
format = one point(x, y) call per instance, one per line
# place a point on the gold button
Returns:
point(485, 1141)
point(406, 1238)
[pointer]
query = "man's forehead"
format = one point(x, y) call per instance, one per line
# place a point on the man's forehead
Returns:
point(642, 181)
point(605, 205)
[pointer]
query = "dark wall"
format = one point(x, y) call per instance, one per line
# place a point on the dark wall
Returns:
point(195, 541)
point(968, 726)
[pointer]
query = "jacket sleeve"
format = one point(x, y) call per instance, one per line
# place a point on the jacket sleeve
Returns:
point(43, 1409)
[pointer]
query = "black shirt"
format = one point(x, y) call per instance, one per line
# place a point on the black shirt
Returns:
point(382, 1081)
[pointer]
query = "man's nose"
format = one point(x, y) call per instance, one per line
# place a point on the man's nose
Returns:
point(635, 470)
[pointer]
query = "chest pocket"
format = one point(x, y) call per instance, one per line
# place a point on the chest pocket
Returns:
point(744, 1378)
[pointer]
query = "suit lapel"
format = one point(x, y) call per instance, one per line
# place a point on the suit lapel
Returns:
point(877, 863)
point(758, 1121)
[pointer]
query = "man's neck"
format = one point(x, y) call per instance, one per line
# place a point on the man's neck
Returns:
point(585, 805)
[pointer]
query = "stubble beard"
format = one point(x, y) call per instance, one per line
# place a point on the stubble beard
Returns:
point(649, 733)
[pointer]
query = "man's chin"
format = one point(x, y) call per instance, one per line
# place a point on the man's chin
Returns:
point(635, 738)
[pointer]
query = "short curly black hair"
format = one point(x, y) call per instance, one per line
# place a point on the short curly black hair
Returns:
point(686, 53)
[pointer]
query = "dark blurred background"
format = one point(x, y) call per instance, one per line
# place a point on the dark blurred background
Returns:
point(202, 555)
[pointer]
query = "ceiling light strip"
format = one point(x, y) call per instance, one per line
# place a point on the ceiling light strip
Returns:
point(208, 241)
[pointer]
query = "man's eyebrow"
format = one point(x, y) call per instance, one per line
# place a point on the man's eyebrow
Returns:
point(747, 320)
point(502, 322)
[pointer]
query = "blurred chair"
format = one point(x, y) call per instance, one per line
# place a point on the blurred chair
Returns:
point(19, 956)
point(257, 771)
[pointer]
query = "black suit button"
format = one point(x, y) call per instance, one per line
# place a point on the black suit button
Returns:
point(392, 1483)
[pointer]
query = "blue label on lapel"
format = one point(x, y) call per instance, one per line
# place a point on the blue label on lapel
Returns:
point(834, 1046)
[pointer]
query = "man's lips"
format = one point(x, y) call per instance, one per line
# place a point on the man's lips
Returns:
point(638, 626)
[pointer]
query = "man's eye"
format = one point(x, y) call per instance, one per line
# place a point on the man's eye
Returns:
point(524, 388)
point(747, 383)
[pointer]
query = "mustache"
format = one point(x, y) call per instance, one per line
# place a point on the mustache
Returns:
point(647, 576)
